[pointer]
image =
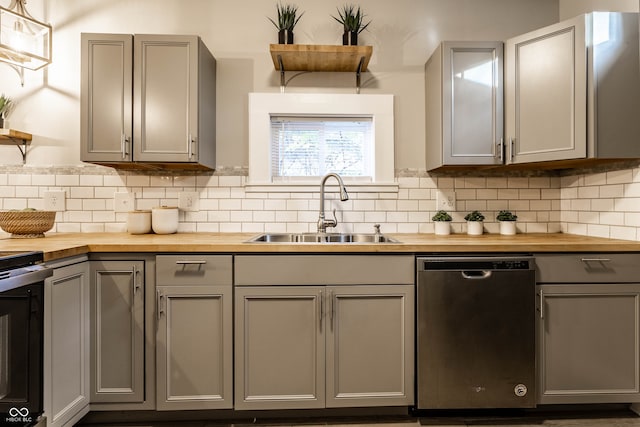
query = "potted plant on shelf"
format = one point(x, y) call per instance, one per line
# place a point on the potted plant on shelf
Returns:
point(442, 220)
point(474, 223)
point(507, 222)
point(287, 20)
point(352, 20)
point(6, 105)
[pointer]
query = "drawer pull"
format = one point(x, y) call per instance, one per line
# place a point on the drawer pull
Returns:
point(595, 259)
point(191, 262)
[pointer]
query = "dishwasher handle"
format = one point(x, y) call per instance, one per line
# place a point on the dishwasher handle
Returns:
point(476, 274)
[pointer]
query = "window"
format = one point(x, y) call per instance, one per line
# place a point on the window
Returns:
point(295, 138)
point(303, 147)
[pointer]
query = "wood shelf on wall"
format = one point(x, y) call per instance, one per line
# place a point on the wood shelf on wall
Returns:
point(328, 58)
point(17, 138)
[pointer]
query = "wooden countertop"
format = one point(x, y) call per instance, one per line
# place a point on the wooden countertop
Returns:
point(62, 245)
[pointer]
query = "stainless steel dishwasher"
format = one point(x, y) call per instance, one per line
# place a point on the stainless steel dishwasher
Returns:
point(476, 332)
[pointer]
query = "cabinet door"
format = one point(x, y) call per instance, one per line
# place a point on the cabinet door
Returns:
point(117, 326)
point(370, 344)
point(588, 343)
point(106, 97)
point(279, 348)
point(194, 347)
point(465, 104)
point(66, 366)
point(546, 97)
point(165, 98)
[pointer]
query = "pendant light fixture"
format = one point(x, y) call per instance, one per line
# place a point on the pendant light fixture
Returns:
point(24, 41)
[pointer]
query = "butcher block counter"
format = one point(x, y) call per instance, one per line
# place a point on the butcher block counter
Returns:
point(62, 245)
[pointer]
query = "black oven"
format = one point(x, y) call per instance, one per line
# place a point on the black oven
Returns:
point(21, 337)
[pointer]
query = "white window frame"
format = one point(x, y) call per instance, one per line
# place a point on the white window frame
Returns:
point(264, 105)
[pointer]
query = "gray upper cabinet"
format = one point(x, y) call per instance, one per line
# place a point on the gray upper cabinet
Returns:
point(148, 101)
point(464, 105)
point(572, 90)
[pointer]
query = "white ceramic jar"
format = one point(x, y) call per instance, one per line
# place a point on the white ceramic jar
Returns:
point(139, 222)
point(164, 219)
point(475, 228)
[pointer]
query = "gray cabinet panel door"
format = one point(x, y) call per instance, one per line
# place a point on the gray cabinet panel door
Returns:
point(117, 324)
point(370, 344)
point(545, 93)
point(106, 97)
point(165, 98)
point(194, 347)
point(588, 343)
point(279, 358)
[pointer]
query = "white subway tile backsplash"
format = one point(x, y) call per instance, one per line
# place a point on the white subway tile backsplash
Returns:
point(597, 204)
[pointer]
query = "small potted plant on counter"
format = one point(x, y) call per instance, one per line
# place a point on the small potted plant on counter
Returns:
point(442, 220)
point(507, 222)
point(352, 20)
point(287, 20)
point(475, 226)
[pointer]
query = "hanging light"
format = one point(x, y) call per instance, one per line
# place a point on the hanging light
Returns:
point(24, 41)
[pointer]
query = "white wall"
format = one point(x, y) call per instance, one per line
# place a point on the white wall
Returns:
point(403, 35)
point(570, 8)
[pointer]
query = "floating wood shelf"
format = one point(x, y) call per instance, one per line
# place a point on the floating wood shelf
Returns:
point(330, 58)
point(17, 138)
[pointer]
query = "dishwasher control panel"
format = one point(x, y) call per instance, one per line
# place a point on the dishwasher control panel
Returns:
point(477, 263)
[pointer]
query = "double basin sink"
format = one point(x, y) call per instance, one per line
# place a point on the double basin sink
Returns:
point(322, 238)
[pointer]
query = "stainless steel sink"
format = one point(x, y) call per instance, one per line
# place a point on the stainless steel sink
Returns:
point(321, 238)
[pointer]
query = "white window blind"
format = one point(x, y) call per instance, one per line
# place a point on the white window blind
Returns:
point(307, 146)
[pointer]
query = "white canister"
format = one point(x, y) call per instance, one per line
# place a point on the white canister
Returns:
point(139, 222)
point(164, 219)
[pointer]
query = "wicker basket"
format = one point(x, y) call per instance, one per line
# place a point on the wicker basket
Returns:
point(26, 224)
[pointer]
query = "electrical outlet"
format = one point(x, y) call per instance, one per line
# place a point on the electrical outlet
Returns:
point(446, 201)
point(189, 201)
point(123, 202)
point(54, 201)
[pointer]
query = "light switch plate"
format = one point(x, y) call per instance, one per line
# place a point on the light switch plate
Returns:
point(123, 202)
point(189, 201)
point(446, 200)
point(54, 201)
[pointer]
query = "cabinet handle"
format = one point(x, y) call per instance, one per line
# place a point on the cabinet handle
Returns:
point(124, 143)
point(500, 147)
point(321, 309)
point(191, 143)
point(136, 280)
point(191, 262)
point(541, 310)
point(512, 148)
point(595, 259)
point(331, 307)
point(159, 306)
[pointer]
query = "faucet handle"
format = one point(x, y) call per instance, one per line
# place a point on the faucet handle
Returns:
point(333, 222)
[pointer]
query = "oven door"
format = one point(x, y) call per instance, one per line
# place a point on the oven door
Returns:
point(21, 350)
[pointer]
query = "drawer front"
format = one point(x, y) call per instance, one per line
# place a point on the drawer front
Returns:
point(194, 269)
point(588, 268)
point(257, 270)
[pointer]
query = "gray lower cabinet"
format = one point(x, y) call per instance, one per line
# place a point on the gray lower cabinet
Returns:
point(194, 342)
point(117, 331)
point(307, 345)
point(589, 329)
point(66, 342)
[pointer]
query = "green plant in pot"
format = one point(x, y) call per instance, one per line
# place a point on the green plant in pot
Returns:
point(352, 20)
point(287, 19)
point(507, 222)
point(475, 224)
point(442, 220)
point(6, 105)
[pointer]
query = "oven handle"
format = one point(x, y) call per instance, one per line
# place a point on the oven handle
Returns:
point(36, 274)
